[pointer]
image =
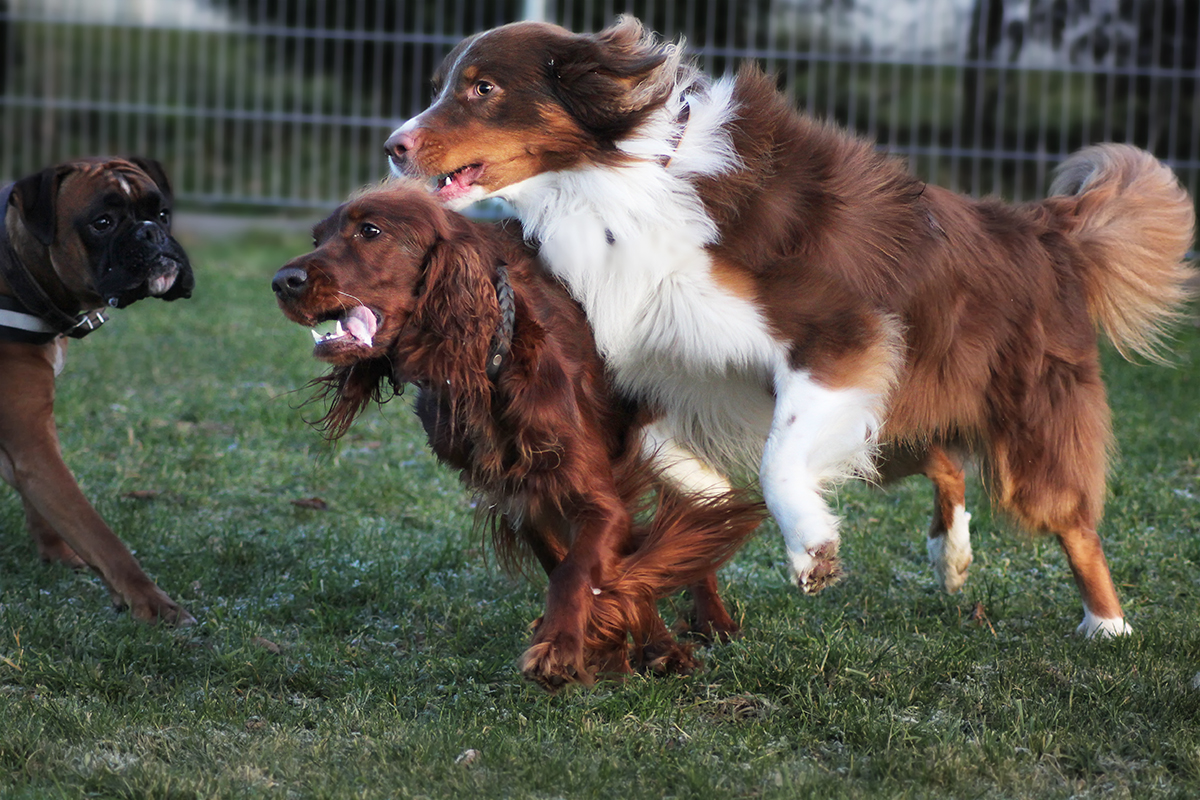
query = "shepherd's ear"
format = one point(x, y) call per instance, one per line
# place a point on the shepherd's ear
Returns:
point(36, 196)
point(156, 172)
point(610, 79)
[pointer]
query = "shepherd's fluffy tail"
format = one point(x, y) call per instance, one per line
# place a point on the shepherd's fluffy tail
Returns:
point(1134, 223)
point(689, 537)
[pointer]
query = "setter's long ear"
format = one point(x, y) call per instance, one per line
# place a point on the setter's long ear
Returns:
point(610, 80)
point(457, 312)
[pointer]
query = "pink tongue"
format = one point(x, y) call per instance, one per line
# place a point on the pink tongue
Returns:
point(360, 323)
point(460, 183)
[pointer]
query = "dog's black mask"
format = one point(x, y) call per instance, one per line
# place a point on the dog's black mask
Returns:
point(126, 231)
point(138, 259)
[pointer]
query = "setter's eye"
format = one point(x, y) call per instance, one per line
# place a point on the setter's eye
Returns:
point(483, 88)
point(369, 231)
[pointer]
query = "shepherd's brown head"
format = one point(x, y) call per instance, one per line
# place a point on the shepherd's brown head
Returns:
point(528, 98)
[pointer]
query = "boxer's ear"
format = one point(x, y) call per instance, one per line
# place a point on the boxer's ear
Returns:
point(156, 172)
point(36, 196)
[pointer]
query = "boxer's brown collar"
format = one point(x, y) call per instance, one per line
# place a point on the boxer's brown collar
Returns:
point(30, 316)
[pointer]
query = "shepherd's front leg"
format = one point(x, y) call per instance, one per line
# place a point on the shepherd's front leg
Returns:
point(819, 434)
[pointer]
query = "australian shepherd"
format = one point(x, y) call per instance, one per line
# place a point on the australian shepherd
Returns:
point(796, 302)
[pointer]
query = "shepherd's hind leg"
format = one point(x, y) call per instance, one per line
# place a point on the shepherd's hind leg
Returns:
point(949, 541)
point(1101, 609)
point(1049, 463)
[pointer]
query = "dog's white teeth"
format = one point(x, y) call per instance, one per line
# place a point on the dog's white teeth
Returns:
point(449, 180)
point(316, 336)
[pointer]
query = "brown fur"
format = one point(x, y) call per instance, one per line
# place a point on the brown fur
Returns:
point(977, 318)
point(554, 456)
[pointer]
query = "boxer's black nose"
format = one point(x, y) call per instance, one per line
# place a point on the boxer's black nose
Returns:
point(150, 232)
point(289, 281)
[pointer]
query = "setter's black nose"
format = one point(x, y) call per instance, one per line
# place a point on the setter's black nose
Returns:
point(289, 281)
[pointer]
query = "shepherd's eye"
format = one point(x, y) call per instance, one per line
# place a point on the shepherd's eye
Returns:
point(102, 223)
point(369, 231)
point(484, 88)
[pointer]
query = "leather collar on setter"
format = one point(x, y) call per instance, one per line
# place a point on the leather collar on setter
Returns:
point(502, 339)
point(30, 316)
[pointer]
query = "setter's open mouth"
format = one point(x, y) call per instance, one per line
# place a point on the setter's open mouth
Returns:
point(353, 328)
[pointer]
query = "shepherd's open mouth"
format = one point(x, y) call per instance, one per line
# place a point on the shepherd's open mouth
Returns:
point(355, 326)
point(455, 184)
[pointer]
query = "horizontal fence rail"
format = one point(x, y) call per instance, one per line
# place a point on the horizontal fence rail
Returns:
point(286, 103)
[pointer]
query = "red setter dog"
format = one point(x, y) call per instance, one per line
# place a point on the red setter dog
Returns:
point(797, 303)
point(511, 393)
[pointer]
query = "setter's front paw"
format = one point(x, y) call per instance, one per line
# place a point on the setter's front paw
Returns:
point(668, 657)
point(556, 661)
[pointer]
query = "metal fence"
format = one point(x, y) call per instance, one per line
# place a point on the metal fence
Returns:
point(286, 103)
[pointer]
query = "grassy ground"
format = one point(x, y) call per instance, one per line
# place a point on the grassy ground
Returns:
point(368, 650)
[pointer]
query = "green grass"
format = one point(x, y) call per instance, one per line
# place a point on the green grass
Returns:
point(397, 638)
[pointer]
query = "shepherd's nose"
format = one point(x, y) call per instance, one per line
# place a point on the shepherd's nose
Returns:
point(402, 143)
point(289, 281)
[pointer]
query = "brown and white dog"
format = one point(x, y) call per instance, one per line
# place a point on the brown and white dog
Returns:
point(77, 238)
point(797, 302)
point(512, 394)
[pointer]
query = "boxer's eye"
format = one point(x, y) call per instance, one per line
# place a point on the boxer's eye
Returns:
point(164, 216)
point(369, 231)
point(102, 223)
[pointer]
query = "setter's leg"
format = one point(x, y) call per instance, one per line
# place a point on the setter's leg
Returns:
point(709, 619)
point(658, 651)
point(603, 532)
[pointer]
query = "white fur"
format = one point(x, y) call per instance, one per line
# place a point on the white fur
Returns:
point(1094, 627)
point(673, 335)
point(679, 466)
point(667, 330)
point(818, 435)
point(60, 355)
point(950, 553)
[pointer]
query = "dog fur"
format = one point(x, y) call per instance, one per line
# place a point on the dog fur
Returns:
point(799, 304)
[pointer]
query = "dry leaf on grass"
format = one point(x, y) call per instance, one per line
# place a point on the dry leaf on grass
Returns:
point(315, 503)
point(142, 494)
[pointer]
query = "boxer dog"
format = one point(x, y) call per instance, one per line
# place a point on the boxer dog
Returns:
point(77, 238)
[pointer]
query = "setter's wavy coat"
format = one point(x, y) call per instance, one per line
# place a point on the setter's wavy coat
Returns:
point(427, 297)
